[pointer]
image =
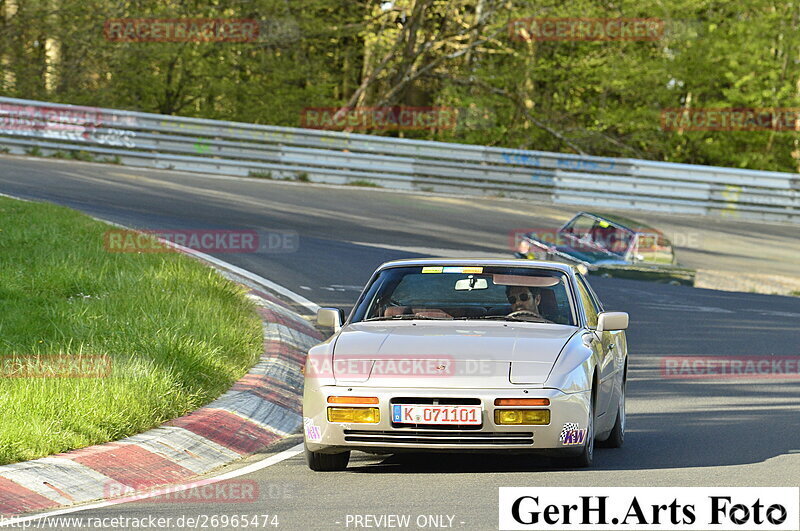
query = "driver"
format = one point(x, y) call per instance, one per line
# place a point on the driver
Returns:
point(524, 299)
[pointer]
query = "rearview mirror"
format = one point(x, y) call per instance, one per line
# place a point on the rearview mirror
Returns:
point(471, 283)
point(611, 321)
point(330, 317)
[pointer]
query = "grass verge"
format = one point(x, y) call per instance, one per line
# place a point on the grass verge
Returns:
point(364, 183)
point(177, 334)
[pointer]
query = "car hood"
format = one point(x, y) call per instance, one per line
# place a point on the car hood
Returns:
point(468, 353)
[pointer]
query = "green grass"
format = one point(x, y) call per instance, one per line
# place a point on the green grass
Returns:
point(178, 334)
point(301, 177)
point(111, 160)
point(260, 174)
point(364, 183)
point(85, 156)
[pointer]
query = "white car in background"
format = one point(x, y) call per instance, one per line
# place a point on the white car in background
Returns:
point(468, 355)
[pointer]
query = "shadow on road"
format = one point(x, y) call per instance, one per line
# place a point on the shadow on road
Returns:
point(698, 424)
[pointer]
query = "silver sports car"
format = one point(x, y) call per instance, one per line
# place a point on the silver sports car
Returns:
point(468, 355)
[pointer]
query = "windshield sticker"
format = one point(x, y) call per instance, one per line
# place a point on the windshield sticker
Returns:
point(571, 434)
point(458, 269)
point(452, 269)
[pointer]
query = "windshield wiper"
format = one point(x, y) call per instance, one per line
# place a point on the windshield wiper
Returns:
point(408, 316)
point(526, 319)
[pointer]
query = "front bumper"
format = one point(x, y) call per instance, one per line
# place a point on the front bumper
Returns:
point(385, 437)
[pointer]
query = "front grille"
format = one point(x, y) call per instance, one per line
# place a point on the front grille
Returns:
point(439, 437)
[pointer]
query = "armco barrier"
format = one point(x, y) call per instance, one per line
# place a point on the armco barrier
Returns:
point(239, 149)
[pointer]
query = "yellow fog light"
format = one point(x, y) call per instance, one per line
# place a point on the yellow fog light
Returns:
point(363, 415)
point(522, 416)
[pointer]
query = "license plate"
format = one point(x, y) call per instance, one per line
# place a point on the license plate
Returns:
point(425, 414)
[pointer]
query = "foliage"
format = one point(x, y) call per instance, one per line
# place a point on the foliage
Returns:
point(594, 97)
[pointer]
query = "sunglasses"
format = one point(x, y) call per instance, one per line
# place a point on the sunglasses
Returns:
point(522, 297)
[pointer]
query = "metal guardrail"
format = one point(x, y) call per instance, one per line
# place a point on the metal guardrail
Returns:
point(240, 149)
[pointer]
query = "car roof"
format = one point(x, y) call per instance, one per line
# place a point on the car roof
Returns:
point(627, 223)
point(500, 262)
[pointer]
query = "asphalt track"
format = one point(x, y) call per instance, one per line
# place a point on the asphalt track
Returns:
point(680, 433)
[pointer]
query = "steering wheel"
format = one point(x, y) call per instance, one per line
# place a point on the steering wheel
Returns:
point(522, 313)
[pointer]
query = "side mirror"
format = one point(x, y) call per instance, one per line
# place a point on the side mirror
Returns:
point(330, 317)
point(611, 321)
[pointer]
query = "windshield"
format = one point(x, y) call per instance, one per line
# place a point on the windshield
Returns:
point(590, 233)
point(467, 292)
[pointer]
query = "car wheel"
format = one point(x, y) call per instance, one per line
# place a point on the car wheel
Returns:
point(319, 462)
point(584, 459)
point(617, 436)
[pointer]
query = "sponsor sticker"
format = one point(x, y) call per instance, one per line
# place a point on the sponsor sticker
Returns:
point(643, 508)
point(313, 433)
point(572, 434)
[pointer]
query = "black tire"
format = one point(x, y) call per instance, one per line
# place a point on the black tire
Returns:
point(319, 462)
point(585, 458)
point(617, 436)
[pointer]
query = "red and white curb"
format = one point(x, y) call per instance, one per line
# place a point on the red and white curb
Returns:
point(261, 408)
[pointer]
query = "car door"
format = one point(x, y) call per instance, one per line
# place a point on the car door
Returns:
point(603, 344)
